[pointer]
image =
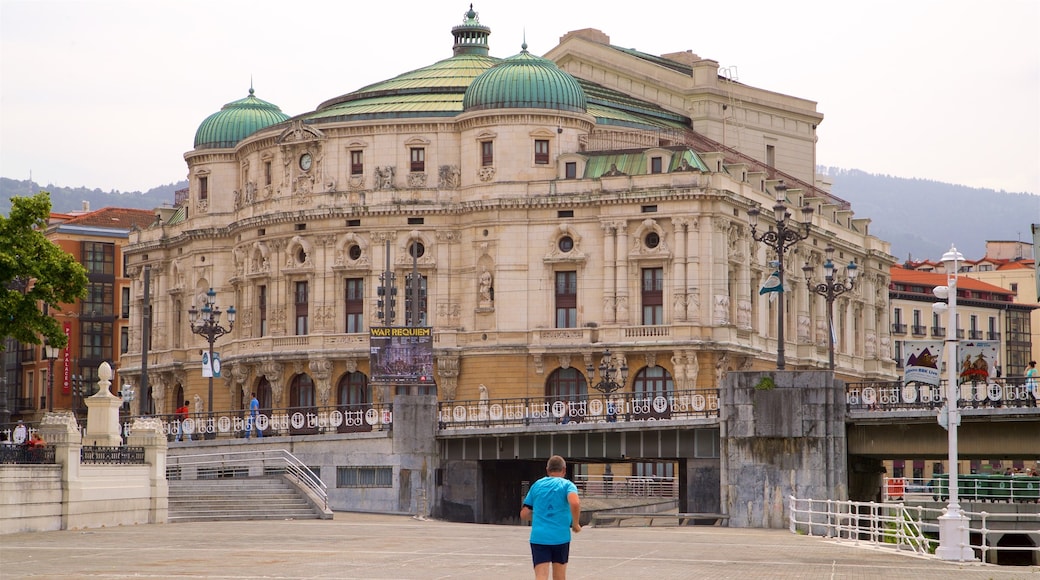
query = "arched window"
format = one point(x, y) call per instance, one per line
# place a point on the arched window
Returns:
point(301, 392)
point(655, 383)
point(178, 396)
point(353, 398)
point(264, 396)
point(570, 387)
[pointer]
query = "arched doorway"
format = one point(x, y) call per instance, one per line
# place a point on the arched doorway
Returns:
point(655, 385)
point(302, 406)
point(353, 399)
point(568, 394)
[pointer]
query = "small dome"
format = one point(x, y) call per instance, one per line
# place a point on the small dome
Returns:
point(525, 81)
point(236, 121)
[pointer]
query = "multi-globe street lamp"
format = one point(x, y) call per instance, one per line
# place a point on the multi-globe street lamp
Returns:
point(830, 289)
point(786, 234)
point(206, 322)
point(608, 374)
point(953, 525)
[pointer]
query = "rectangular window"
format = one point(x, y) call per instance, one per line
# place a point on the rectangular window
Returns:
point(771, 155)
point(261, 306)
point(203, 188)
point(267, 173)
point(487, 153)
point(355, 305)
point(653, 296)
point(96, 340)
point(99, 258)
point(656, 165)
point(301, 308)
point(541, 151)
point(566, 299)
point(124, 306)
point(124, 340)
point(418, 160)
point(99, 302)
point(571, 170)
point(357, 162)
point(364, 477)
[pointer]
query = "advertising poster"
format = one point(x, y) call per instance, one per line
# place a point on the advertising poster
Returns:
point(977, 361)
point(401, 354)
point(922, 361)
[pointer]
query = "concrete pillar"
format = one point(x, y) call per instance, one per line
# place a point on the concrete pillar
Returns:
point(782, 434)
point(148, 433)
point(59, 428)
point(415, 445)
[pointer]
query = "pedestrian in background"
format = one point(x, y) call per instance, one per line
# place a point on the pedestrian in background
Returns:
point(254, 411)
point(181, 415)
point(554, 510)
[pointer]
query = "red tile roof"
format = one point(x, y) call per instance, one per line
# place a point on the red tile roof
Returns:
point(931, 280)
point(115, 217)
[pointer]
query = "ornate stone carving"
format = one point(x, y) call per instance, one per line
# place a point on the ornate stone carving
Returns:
point(744, 314)
point(320, 370)
point(385, 177)
point(486, 173)
point(448, 371)
point(416, 180)
point(803, 329)
point(721, 313)
point(449, 177)
point(565, 361)
point(539, 364)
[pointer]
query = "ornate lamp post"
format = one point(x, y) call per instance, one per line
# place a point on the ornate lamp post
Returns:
point(786, 234)
point(51, 354)
point(206, 323)
point(953, 525)
point(830, 289)
point(608, 374)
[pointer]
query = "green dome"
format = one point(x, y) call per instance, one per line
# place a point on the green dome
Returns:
point(525, 81)
point(236, 121)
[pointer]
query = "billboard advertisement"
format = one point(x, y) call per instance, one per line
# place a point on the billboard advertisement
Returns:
point(401, 354)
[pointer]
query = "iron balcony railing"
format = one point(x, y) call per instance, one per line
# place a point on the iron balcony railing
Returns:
point(1016, 392)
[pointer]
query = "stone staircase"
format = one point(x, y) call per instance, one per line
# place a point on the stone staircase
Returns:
point(238, 498)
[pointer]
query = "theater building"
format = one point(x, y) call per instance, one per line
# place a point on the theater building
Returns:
point(555, 208)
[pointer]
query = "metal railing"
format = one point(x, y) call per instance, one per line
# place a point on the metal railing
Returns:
point(111, 455)
point(901, 527)
point(276, 422)
point(28, 455)
point(627, 486)
point(894, 395)
point(240, 464)
point(621, 407)
point(970, 487)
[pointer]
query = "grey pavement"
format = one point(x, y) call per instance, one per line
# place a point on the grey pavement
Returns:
point(399, 547)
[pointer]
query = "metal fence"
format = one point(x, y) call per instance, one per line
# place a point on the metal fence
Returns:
point(26, 454)
point(1013, 392)
point(111, 455)
point(1012, 488)
point(908, 528)
point(615, 408)
point(245, 464)
point(627, 486)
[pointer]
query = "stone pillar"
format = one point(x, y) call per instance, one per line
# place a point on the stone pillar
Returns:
point(59, 428)
point(782, 434)
point(148, 433)
point(103, 412)
point(415, 445)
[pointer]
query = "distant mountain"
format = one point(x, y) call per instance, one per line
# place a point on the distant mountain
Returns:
point(920, 218)
point(65, 199)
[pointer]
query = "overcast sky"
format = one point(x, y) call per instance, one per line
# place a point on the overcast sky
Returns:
point(109, 93)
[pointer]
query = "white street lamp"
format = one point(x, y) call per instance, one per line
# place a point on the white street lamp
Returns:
point(953, 525)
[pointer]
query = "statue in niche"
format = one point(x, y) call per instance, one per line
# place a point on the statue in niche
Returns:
point(487, 291)
point(614, 171)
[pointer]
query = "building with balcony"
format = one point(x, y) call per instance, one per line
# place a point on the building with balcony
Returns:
point(553, 208)
point(984, 312)
point(97, 326)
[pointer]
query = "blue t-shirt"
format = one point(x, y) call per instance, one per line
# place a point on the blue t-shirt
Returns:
point(551, 520)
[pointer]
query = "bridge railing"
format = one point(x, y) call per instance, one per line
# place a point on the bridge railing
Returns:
point(902, 527)
point(627, 486)
point(970, 487)
point(592, 408)
point(1015, 392)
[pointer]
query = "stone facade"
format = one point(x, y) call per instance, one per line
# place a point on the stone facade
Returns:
point(314, 205)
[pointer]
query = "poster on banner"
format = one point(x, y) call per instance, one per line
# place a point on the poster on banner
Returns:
point(923, 360)
point(210, 370)
point(401, 354)
point(977, 361)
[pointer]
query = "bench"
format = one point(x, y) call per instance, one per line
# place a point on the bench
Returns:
point(615, 518)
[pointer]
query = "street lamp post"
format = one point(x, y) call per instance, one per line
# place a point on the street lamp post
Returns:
point(953, 525)
point(608, 374)
point(830, 289)
point(206, 323)
point(786, 234)
point(51, 353)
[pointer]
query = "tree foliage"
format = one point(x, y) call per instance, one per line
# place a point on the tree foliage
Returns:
point(33, 272)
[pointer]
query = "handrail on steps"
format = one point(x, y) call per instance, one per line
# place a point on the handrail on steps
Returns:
point(279, 459)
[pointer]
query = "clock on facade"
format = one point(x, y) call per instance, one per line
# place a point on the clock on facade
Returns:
point(305, 162)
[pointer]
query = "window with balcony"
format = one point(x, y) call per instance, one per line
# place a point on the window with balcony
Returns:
point(355, 304)
point(653, 296)
point(418, 164)
point(993, 333)
point(302, 307)
point(918, 328)
point(938, 330)
point(898, 326)
point(541, 151)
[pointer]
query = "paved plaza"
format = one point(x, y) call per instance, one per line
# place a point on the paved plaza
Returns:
point(398, 547)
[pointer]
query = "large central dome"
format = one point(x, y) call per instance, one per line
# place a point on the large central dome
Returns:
point(236, 121)
point(525, 81)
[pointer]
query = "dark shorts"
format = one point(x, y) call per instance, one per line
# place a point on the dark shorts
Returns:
point(556, 553)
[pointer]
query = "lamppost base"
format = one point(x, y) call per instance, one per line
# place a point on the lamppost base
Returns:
point(953, 538)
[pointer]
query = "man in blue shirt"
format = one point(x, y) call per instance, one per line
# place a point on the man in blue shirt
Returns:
point(254, 410)
point(553, 508)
